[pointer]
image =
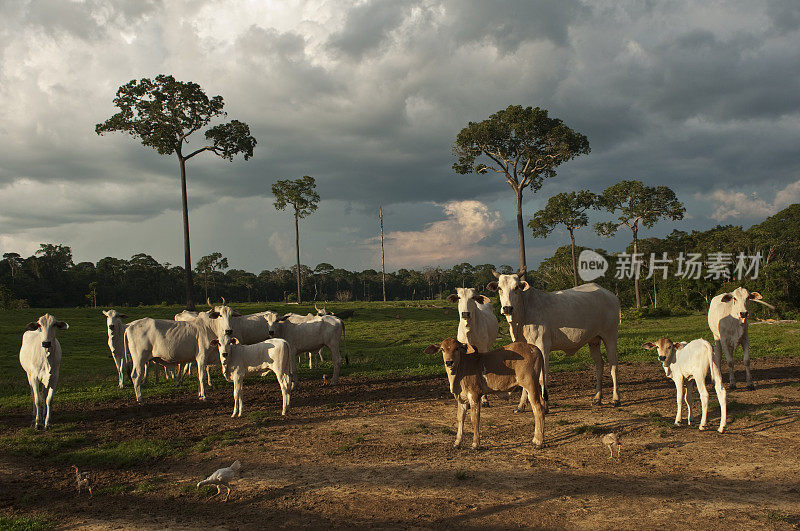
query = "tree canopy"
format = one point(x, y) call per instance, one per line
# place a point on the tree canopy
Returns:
point(300, 194)
point(523, 144)
point(163, 113)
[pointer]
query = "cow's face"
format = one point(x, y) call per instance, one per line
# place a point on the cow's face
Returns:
point(225, 344)
point(47, 326)
point(275, 323)
point(510, 288)
point(467, 299)
point(452, 351)
point(223, 317)
point(666, 352)
point(114, 321)
point(738, 299)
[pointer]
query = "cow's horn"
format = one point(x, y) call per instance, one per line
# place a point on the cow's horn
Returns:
point(223, 301)
point(208, 301)
point(495, 273)
point(315, 306)
point(522, 270)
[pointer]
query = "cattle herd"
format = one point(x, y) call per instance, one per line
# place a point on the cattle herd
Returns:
point(539, 322)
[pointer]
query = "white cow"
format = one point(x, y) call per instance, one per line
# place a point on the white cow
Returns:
point(477, 324)
point(237, 360)
point(168, 342)
point(40, 356)
point(687, 363)
point(563, 320)
point(116, 343)
point(308, 333)
point(727, 319)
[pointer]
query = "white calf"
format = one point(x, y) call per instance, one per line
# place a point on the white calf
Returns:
point(238, 360)
point(40, 356)
point(685, 363)
point(116, 342)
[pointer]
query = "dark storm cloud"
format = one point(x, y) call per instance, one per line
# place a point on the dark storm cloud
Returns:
point(367, 25)
point(369, 97)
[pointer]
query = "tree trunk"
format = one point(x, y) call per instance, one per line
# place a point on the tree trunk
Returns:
point(520, 230)
point(186, 246)
point(635, 272)
point(297, 249)
point(574, 265)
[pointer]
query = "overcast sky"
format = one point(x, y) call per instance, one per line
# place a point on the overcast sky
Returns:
point(367, 97)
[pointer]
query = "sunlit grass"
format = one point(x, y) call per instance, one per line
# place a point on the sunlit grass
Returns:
point(381, 340)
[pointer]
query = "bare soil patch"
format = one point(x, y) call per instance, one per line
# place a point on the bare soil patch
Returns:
point(378, 453)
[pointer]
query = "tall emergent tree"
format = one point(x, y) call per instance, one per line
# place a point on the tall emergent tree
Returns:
point(568, 209)
point(163, 113)
point(302, 196)
point(636, 203)
point(523, 145)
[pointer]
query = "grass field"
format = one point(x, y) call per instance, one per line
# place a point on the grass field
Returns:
point(382, 339)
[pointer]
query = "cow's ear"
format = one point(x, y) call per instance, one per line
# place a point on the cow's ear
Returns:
point(33, 325)
point(234, 341)
point(483, 299)
point(755, 295)
point(727, 297)
point(492, 286)
point(213, 314)
point(61, 325)
point(283, 317)
point(524, 285)
point(452, 297)
point(105, 313)
point(680, 345)
point(236, 314)
point(649, 345)
point(214, 342)
point(431, 349)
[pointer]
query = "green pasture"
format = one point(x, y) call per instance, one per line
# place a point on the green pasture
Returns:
point(382, 339)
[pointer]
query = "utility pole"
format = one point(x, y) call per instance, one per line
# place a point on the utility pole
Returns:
point(383, 258)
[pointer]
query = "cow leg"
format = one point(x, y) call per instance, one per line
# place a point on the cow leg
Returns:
point(679, 393)
point(538, 418)
point(688, 398)
point(48, 403)
point(120, 364)
point(597, 356)
point(336, 358)
point(36, 402)
point(475, 416)
point(746, 360)
point(701, 387)
point(201, 370)
point(725, 348)
point(613, 361)
point(723, 403)
point(284, 382)
point(461, 412)
point(543, 383)
point(238, 399)
point(208, 375)
point(138, 375)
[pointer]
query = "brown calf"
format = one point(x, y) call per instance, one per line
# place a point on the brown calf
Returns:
point(472, 375)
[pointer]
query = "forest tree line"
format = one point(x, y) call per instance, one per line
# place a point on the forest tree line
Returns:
point(51, 278)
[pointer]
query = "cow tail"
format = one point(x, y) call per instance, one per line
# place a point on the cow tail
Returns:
point(127, 354)
point(716, 375)
point(346, 357)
